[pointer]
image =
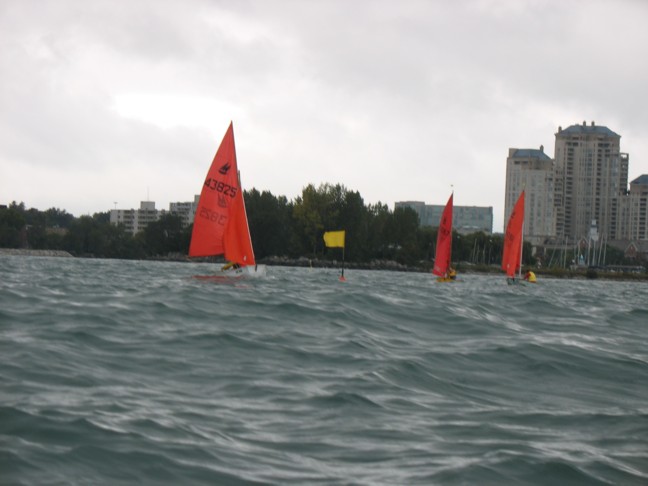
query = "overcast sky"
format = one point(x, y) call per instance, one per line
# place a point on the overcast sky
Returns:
point(106, 103)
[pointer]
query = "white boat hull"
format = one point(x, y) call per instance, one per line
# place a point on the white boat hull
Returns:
point(251, 271)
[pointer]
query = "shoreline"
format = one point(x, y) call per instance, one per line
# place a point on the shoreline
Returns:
point(466, 269)
point(36, 253)
point(385, 265)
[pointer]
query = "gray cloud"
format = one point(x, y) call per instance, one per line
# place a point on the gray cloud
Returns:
point(396, 100)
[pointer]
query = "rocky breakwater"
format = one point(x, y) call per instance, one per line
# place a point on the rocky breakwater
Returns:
point(317, 263)
point(41, 253)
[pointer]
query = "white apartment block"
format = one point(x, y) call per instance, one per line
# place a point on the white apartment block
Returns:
point(465, 219)
point(531, 170)
point(135, 220)
point(186, 210)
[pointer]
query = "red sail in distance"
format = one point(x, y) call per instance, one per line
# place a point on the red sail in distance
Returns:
point(444, 241)
point(512, 254)
point(220, 224)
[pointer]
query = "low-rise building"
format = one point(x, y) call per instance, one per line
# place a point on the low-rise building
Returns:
point(135, 220)
point(465, 219)
point(186, 210)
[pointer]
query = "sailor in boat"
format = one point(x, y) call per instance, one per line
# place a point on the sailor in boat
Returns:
point(448, 276)
point(230, 265)
point(530, 277)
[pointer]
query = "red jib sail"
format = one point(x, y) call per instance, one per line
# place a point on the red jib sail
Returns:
point(444, 241)
point(220, 225)
point(512, 255)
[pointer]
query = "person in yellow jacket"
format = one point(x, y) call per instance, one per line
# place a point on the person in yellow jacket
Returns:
point(229, 265)
point(530, 277)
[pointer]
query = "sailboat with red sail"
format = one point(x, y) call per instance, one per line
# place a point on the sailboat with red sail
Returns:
point(442, 259)
point(220, 223)
point(513, 241)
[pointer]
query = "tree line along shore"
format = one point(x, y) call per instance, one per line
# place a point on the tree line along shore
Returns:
point(285, 232)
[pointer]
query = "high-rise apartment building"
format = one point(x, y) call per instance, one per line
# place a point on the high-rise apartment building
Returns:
point(634, 211)
point(533, 171)
point(591, 178)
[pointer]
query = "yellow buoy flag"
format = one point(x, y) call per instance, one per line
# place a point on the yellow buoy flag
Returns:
point(334, 239)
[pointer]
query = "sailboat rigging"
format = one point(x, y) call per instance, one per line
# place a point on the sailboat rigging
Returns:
point(442, 260)
point(220, 223)
point(513, 241)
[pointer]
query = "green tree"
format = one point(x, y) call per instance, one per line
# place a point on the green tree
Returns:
point(271, 223)
point(164, 236)
point(378, 220)
point(310, 215)
point(12, 226)
point(94, 237)
point(59, 218)
point(353, 217)
point(427, 237)
point(402, 235)
point(84, 238)
point(330, 208)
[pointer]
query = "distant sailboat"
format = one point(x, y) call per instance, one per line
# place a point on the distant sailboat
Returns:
point(513, 241)
point(220, 224)
point(442, 259)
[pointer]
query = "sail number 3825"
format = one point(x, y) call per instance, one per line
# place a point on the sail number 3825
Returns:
point(222, 187)
point(213, 216)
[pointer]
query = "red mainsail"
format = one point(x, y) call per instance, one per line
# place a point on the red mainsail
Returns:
point(512, 254)
point(444, 241)
point(220, 224)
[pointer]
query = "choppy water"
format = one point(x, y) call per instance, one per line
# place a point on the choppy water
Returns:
point(116, 372)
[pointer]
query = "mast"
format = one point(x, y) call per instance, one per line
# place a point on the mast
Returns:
point(522, 235)
point(247, 225)
point(521, 248)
